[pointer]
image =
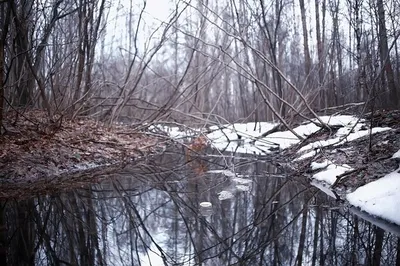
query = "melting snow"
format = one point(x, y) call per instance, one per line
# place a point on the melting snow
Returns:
point(242, 181)
point(316, 166)
point(341, 138)
point(223, 195)
point(380, 197)
point(243, 188)
point(396, 154)
point(224, 172)
point(331, 172)
point(205, 204)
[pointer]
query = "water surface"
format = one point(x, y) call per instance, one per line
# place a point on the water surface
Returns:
point(180, 208)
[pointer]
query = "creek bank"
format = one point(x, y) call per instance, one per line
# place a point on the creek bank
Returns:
point(348, 154)
point(41, 157)
point(363, 172)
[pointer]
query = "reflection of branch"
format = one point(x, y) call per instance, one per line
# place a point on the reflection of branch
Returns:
point(128, 202)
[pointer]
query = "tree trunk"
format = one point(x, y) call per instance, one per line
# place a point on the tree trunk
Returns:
point(385, 57)
point(320, 57)
point(307, 58)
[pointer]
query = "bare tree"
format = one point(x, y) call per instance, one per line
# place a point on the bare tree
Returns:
point(385, 56)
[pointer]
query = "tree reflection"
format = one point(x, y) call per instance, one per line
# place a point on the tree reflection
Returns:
point(149, 214)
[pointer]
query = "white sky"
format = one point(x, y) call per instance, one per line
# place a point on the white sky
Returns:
point(117, 28)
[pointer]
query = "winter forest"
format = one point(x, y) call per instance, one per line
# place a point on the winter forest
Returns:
point(199, 132)
point(195, 61)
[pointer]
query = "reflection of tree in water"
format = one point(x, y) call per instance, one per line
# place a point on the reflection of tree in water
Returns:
point(152, 211)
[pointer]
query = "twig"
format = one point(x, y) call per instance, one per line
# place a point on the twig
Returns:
point(346, 174)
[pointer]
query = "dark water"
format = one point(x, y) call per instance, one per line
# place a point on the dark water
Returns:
point(152, 210)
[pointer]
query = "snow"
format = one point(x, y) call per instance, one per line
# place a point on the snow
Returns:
point(339, 120)
point(242, 184)
point(331, 172)
point(243, 188)
point(247, 131)
point(225, 172)
point(342, 137)
point(252, 142)
point(175, 132)
point(316, 166)
point(242, 181)
point(379, 198)
point(205, 204)
point(285, 139)
point(247, 137)
point(224, 195)
point(396, 154)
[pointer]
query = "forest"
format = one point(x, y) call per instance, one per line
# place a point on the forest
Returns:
point(75, 75)
point(194, 62)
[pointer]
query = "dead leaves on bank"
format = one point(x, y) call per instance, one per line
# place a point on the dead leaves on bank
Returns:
point(33, 151)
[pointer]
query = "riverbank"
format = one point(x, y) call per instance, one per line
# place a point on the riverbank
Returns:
point(41, 157)
point(354, 159)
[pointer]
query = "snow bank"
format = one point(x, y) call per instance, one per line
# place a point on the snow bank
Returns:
point(379, 198)
point(248, 137)
point(329, 175)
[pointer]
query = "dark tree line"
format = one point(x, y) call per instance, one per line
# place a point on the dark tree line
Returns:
point(204, 61)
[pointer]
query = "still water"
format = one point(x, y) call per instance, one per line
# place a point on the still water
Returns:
point(186, 209)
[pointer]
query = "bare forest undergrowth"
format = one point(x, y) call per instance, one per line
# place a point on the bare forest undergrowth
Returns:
point(370, 157)
point(41, 157)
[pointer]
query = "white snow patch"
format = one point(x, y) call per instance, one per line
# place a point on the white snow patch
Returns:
point(331, 172)
point(223, 195)
point(396, 154)
point(286, 139)
point(225, 172)
point(205, 204)
point(175, 132)
point(228, 133)
point(242, 181)
point(316, 166)
point(243, 188)
point(340, 139)
point(340, 120)
point(379, 198)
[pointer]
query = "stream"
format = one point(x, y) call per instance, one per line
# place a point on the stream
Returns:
point(184, 209)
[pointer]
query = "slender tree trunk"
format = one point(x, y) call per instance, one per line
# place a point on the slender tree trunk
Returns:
point(361, 80)
point(385, 56)
point(4, 22)
point(307, 57)
point(1, 83)
point(320, 52)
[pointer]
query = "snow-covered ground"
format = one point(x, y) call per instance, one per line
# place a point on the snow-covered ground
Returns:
point(378, 198)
